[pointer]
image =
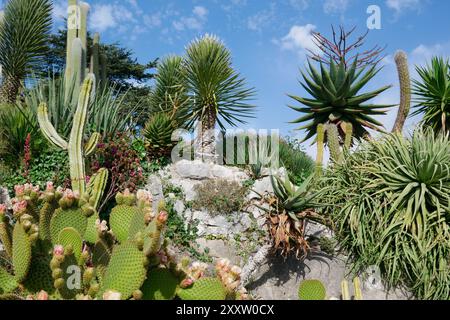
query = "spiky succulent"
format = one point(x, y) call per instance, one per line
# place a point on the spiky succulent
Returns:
point(433, 94)
point(158, 134)
point(219, 93)
point(24, 31)
point(335, 99)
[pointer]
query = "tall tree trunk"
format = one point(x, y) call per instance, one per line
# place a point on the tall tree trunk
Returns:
point(9, 89)
point(207, 144)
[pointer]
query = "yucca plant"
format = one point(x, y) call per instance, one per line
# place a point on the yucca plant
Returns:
point(218, 92)
point(24, 31)
point(433, 94)
point(289, 209)
point(168, 107)
point(336, 99)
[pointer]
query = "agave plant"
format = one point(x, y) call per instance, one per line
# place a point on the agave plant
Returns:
point(290, 208)
point(336, 99)
point(218, 93)
point(24, 31)
point(158, 134)
point(433, 92)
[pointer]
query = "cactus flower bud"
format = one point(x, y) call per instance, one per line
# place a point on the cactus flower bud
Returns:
point(42, 295)
point(186, 283)
point(137, 295)
point(162, 217)
point(59, 283)
point(57, 273)
point(112, 295)
point(58, 250)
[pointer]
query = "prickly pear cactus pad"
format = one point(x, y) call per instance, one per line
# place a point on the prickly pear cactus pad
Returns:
point(311, 290)
point(72, 281)
point(126, 271)
point(120, 220)
point(137, 223)
point(72, 217)
point(7, 282)
point(161, 284)
point(71, 237)
point(21, 256)
point(100, 255)
point(40, 275)
point(91, 230)
point(204, 289)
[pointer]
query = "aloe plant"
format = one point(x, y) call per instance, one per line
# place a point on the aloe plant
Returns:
point(336, 99)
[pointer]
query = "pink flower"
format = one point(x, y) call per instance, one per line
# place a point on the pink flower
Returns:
point(162, 217)
point(101, 225)
point(50, 186)
point(2, 208)
point(19, 190)
point(42, 295)
point(112, 295)
point(19, 206)
point(144, 195)
point(127, 192)
point(58, 250)
point(186, 283)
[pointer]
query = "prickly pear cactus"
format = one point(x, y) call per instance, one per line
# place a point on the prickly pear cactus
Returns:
point(204, 289)
point(311, 290)
point(126, 271)
point(161, 284)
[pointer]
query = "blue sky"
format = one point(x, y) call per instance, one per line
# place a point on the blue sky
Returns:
point(268, 38)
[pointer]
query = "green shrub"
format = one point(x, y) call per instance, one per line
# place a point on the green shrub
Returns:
point(50, 165)
point(220, 196)
point(390, 202)
point(297, 163)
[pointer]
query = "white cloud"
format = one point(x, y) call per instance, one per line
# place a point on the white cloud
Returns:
point(335, 6)
point(261, 19)
point(200, 12)
point(401, 5)
point(153, 20)
point(194, 22)
point(299, 39)
point(59, 10)
point(104, 17)
point(299, 4)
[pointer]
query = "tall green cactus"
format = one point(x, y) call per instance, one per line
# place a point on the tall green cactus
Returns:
point(95, 59)
point(401, 60)
point(320, 148)
point(74, 145)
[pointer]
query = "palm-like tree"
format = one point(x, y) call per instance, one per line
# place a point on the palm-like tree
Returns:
point(433, 92)
point(336, 99)
point(218, 93)
point(168, 106)
point(24, 31)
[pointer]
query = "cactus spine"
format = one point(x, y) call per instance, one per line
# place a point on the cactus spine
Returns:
point(74, 145)
point(401, 60)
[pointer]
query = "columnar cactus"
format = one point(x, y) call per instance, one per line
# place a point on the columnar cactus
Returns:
point(74, 145)
point(401, 60)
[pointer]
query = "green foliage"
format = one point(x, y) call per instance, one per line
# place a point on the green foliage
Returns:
point(311, 290)
point(48, 165)
point(158, 134)
point(335, 98)
point(219, 196)
point(24, 31)
point(297, 163)
point(16, 122)
point(433, 94)
point(390, 203)
point(21, 254)
point(218, 92)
